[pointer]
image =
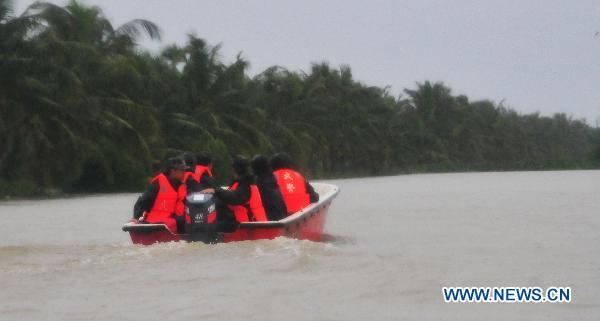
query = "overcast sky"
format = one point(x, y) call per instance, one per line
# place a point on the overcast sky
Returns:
point(540, 55)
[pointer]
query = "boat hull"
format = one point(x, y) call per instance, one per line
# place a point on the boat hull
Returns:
point(306, 227)
point(159, 235)
point(307, 224)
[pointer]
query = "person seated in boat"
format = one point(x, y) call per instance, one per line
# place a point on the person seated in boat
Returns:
point(162, 200)
point(199, 173)
point(296, 190)
point(241, 202)
point(203, 170)
point(196, 178)
point(188, 185)
point(269, 190)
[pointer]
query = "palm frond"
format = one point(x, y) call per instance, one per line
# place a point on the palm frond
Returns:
point(139, 27)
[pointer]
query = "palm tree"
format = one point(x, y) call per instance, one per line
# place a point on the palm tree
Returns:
point(87, 24)
point(67, 111)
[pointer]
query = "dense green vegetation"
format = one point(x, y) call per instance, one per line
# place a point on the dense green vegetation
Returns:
point(83, 109)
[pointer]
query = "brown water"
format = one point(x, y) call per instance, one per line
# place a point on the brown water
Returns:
point(392, 244)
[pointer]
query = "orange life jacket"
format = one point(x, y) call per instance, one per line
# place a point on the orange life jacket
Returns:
point(165, 203)
point(182, 193)
point(199, 171)
point(293, 189)
point(253, 210)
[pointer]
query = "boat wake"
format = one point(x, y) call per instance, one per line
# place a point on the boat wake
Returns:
point(42, 258)
point(337, 239)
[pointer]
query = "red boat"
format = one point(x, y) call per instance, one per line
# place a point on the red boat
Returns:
point(307, 224)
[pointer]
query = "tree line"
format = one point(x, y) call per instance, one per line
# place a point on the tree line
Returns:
point(84, 109)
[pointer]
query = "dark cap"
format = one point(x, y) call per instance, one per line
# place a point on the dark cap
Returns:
point(260, 165)
point(282, 160)
point(240, 164)
point(189, 158)
point(176, 163)
point(204, 158)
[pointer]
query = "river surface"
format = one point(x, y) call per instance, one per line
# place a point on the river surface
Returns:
point(392, 243)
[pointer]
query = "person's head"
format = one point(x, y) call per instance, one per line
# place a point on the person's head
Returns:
point(239, 164)
point(190, 159)
point(175, 168)
point(204, 158)
point(282, 160)
point(260, 165)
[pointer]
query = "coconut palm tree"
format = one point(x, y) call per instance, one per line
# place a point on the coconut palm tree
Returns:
point(77, 22)
point(66, 110)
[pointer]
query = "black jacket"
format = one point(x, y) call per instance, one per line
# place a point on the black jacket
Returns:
point(239, 196)
point(314, 197)
point(271, 197)
point(206, 181)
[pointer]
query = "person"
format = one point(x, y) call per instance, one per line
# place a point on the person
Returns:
point(160, 202)
point(196, 178)
point(269, 189)
point(241, 202)
point(296, 190)
point(188, 185)
point(203, 170)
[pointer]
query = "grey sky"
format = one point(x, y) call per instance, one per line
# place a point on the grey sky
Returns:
point(538, 55)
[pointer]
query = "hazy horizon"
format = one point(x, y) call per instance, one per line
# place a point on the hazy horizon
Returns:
point(533, 56)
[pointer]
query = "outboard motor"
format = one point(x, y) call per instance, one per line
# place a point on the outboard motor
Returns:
point(202, 212)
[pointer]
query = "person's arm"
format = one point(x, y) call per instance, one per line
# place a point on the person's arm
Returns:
point(208, 181)
point(191, 184)
point(237, 197)
point(314, 197)
point(145, 202)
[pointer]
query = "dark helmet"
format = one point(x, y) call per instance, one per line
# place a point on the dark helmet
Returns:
point(239, 163)
point(190, 159)
point(282, 160)
point(204, 158)
point(176, 163)
point(260, 165)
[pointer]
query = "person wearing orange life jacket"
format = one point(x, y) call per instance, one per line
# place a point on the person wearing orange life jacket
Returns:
point(159, 204)
point(241, 202)
point(188, 185)
point(268, 188)
point(203, 171)
point(196, 178)
point(296, 190)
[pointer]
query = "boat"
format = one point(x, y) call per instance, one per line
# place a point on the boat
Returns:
point(306, 224)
